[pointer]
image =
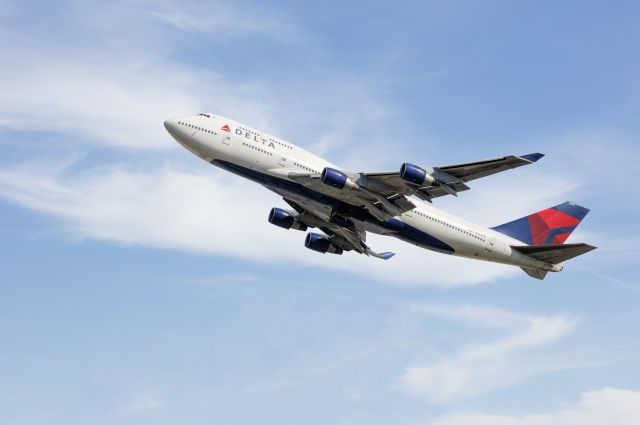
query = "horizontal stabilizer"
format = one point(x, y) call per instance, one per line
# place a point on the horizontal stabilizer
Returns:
point(535, 273)
point(554, 254)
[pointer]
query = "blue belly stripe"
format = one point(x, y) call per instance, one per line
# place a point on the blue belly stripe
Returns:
point(401, 230)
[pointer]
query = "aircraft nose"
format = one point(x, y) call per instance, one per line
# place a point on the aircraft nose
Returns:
point(170, 124)
point(176, 130)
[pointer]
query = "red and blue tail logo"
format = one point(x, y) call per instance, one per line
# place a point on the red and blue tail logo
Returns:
point(547, 227)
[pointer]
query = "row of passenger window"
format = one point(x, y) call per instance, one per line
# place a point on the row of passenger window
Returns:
point(304, 167)
point(444, 223)
point(257, 148)
point(281, 144)
point(246, 130)
point(195, 127)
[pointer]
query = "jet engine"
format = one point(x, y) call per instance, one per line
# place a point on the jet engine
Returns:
point(416, 175)
point(285, 219)
point(336, 178)
point(321, 244)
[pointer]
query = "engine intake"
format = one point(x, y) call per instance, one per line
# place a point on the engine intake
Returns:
point(336, 178)
point(285, 219)
point(322, 244)
point(416, 175)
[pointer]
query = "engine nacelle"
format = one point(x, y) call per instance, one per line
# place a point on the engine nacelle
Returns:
point(285, 219)
point(416, 175)
point(336, 178)
point(322, 244)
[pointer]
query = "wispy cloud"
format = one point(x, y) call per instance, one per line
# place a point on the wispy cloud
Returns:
point(618, 281)
point(109, 91)
point(223, 18)
point(225, 279)
point(141, 401)
point(127, 72)
point(605, 406)
point(482, 367)
point(104, 97)
point(176, 209)
point(167, 207)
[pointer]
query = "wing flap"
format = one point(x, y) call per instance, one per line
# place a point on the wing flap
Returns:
point(348, 237)
point(382, 201)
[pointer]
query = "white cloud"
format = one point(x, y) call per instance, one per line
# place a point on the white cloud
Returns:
point(125, 73)
point(608, 406)
point(513, 194)
point(120, 78)
point(215, 213)
point(118, 83)
point(103, 96)
point(482, 367)
point(144, 401)
point(617, 281)
point(223, 18)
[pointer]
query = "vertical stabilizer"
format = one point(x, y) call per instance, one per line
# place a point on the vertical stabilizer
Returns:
point(547, 227)
point(535, 273)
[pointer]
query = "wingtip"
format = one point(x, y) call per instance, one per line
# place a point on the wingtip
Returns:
point(533, 157)
point(573, 209)
point(382, 255)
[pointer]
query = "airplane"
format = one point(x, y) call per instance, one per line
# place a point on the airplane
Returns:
point(345, 205)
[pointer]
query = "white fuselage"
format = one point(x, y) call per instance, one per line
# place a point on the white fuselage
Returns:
point(235, 146)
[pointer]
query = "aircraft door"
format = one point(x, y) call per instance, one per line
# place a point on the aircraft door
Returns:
point(282, 161)
point(490, 244)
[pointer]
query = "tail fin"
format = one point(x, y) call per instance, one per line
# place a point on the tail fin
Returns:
point(547, 227)
point(535, 273)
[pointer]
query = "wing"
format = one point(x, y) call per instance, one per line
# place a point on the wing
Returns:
point(342, 233)
point(384, 195)
point(381, 201)
point(451, 179)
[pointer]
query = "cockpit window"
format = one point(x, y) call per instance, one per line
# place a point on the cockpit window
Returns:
point(205, 115)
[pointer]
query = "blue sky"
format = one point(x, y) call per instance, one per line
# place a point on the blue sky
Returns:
point(142, 286)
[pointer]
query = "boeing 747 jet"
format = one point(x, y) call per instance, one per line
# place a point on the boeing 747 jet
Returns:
point(344, 205)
